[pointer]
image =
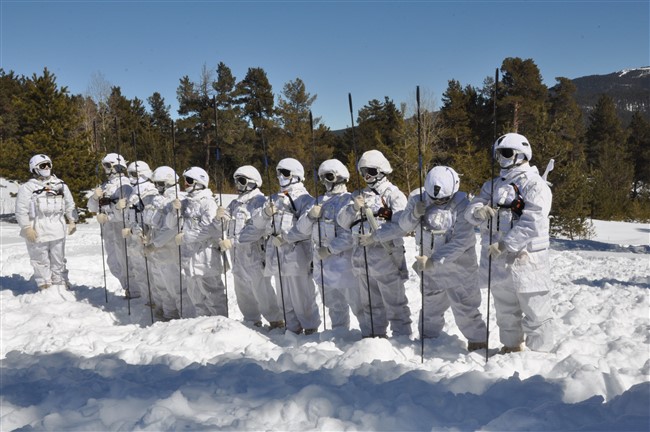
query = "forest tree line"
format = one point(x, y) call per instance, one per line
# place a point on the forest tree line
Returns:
point(602, 167)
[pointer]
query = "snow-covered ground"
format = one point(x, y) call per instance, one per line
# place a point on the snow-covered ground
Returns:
point(72, 361)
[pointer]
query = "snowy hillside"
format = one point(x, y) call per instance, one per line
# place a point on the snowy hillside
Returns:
point(71, 361)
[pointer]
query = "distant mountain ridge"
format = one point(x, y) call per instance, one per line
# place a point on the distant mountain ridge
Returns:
point(628, 88)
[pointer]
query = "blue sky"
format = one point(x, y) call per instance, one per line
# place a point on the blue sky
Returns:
point(369, 49)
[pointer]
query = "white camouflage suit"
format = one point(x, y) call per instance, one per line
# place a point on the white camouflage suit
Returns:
point(449, 242)
point(385, 260)
point(117, 186)
point(254, 290)
point(340, 285)
point(294, 285)
point(44, 205)
point(200, 255)
point(520, 277)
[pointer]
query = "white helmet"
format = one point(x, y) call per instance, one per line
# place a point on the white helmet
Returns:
point(139, 169)
point(40, 165)
point(332, 172)
point(247, 178)
point(373, 165)
point(196, 175)
point(164, 177)
point(512, 149)
point(113, 162)
point(289, 171)
point(441, 183)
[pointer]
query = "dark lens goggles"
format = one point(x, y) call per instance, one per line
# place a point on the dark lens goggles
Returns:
point(45, 165)
point(133, 174)
point(506, 152)
point(330, 177)
point(369, 171)
point(241, 180)
point(160, 184)
point(284, 173)
point(189, 180)
point(107, 165)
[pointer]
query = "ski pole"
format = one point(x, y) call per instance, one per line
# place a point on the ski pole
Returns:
point(277, 250)
point(320, 242)
point(178, 225)
point(417, 98)
point(224, 257)
point(126, 252)
point(365, 252)
point(490, 223)
point(135, 210)
point(101, 226)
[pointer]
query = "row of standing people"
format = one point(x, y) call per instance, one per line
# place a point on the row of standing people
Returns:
point(354, 240)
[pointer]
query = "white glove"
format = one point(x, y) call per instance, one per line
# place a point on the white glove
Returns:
point(484, 213)
point(144, 239)
point(30, 234)
point(126, 232)
point(270, 209)
point(315, 211)
point(178, 238)
point(225, 244)
point(222, 213)
point(121, 204)
point(496, 249)
point(72, 227)
point(98, 193)
point(422, 263)
point(324, 252)
point(102, 218)
point(359, 202)
point(278, 240)
point(367, 239)
point(419, 209)
point(176, 204)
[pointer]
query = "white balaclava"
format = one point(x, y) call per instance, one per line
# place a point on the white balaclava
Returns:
point(289, 171)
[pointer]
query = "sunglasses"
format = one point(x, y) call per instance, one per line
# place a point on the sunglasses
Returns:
point(107, 165)
point(369, 171)
point(241, 180)
point(189, 180)
point(284, 173)
point(45, 165)
point(330, 177)
point(160, 185)
point(133, 174)
point(506, 152)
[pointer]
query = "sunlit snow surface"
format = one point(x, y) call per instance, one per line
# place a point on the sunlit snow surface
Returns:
point(71, 361)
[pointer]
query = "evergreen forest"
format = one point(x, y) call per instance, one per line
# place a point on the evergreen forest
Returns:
point(602, 166)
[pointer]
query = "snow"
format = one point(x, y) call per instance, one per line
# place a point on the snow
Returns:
point(72, 361)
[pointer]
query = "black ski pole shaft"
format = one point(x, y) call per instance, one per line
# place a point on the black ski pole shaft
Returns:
point(101, 226)
point(320, 241)
point(491, 222)
point(365, 252)
point(126, 252)
point(142, 226)
point(178, 225)
point(417, 99)
point(224, 257)
point(277, 250)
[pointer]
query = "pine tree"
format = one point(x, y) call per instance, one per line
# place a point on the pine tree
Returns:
point(639, 145)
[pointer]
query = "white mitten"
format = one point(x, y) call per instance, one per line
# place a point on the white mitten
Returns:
point(126, 232)
point(419, 209)
point(225, 244)
point(359, 202)
point(270, 209)
point(278, 240)
point(367, 239)
point(178, 238)
point(315, 211)
point(422, 263)
point(98, 193)
point(30, 234)
point(496, 249)
point(121, 204)
point(176, 204)
point(324, 252)
point(72, 227)
point(222, 213)
point(102, 218)
point(484, 213)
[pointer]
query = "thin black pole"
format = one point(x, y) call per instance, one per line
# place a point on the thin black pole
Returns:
point(320, 241)
point(101, 226)
point(365, 252)
point(126, 252)
point(417, 98)
point(224, 257)
point(178, 224)
point(490, 223)
point(146, 260)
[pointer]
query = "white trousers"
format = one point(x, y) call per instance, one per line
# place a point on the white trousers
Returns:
point(387, 295)
point(298, 296)
point(48, 261)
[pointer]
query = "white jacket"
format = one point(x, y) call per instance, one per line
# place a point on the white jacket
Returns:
point(117, 186)
point(44, 205)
